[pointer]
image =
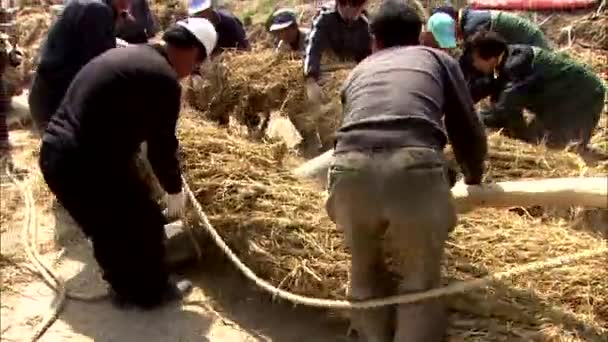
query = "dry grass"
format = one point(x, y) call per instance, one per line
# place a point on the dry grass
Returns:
point(32, 25)
point(227, 87)
point(278, 226)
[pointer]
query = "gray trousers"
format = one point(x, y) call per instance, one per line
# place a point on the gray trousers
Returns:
point(394, 203)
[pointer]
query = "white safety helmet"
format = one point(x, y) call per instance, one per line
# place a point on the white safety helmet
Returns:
point(203, 30)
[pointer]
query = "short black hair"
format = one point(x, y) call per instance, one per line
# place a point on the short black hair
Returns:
point(181, 38)
point(487, 44)
point(351, 2)
point(396, 24)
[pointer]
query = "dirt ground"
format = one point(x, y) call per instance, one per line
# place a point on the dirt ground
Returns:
point(222, 306)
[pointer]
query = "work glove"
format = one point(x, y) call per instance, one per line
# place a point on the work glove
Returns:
point(121, 43)
point(314, 93)
point(176, 204)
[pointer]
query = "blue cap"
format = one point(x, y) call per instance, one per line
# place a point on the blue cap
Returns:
point(443, 28)
point(195, 6)
point(282, 18)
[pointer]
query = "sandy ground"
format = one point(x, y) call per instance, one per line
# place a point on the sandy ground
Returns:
point(222, 307)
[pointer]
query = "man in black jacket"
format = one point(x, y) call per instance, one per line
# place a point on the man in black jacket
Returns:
point(116, 102)
point(230, 30)
point(389, 182)
point(84, 30)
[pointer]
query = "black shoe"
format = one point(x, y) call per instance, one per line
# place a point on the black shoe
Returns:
point(119, 301)
point(175, 291)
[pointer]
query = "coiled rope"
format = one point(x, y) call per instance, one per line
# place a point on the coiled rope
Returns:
point(29, 236)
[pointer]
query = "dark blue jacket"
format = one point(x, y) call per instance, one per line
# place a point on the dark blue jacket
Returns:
point(82, 31)
point(230, 32)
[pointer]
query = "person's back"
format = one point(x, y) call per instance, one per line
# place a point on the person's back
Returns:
point(397, 97)
point(554, 77)
point(513, 28)
point(389, 184)
point(84, 30)
point(231, 33)
point(144, 93)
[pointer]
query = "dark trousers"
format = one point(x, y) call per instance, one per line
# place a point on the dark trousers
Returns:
point(44, 100)
point(113, 208)
point(558, 127)
point(4, 143)
point(5, 107)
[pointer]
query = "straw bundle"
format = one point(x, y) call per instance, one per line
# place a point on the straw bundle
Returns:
point(278, 227)
point(31, 26)
point(226, 88)
point(168, 12)
point(510, 159)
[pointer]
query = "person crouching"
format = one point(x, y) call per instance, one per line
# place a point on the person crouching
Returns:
point(88, 160)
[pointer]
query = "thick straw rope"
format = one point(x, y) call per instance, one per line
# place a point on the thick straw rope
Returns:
point(451, 289)
point(30, 231)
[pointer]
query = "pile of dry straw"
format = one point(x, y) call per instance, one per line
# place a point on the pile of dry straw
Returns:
point(278, 227)
point(227, 87)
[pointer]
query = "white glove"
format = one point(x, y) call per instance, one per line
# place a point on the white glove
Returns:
point(121, 43)
point(313, 92)
point(176, 204)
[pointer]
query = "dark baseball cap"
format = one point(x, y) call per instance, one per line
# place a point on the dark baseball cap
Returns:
point(282, 18)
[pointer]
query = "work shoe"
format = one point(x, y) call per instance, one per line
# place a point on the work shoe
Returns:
point(176, 290)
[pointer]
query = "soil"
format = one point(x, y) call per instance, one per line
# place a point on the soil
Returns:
point(222, 306)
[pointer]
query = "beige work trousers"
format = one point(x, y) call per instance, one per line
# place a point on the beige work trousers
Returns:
point(394, 203)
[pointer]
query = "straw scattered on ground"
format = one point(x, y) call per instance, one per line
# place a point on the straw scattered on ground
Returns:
point(278, 226)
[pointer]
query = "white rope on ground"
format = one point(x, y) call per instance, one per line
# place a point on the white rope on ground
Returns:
point(29, 235)
point(30, 231)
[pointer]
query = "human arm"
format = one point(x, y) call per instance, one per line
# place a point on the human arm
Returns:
point(163, 144)
point(242, 43)
point(97, 29)
point(465, 130)
point(151, 24)
point(317, 43)
point(515, 80)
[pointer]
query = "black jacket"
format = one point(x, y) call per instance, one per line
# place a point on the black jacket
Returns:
point(83, 30)
point(119, 100)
